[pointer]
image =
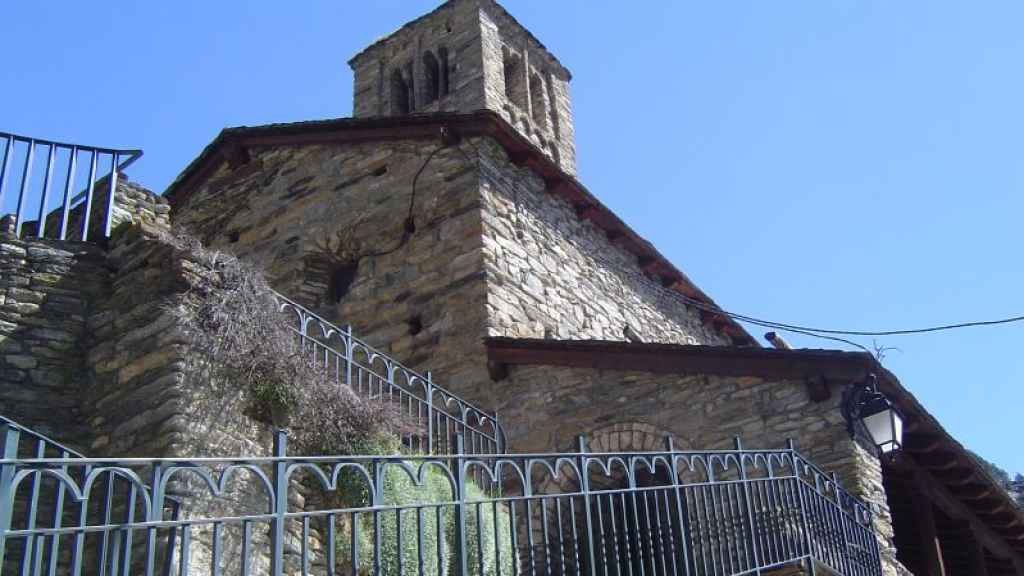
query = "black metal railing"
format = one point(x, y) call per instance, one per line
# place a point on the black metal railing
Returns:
point(657, 513)
point(438, 413)
point(50, 206)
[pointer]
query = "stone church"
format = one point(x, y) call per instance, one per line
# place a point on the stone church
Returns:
point(444, 222)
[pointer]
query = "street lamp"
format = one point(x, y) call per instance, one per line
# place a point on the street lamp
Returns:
point(864, 404)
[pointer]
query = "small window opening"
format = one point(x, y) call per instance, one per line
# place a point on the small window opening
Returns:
point(399, 94)
point(234, 236)
point(442, 53)
point(341, 279)
point(415, 325)
point(539, 106)
point(514, 89)
point(432, 75)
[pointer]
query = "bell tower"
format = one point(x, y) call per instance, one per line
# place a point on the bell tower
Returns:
point(465, 56)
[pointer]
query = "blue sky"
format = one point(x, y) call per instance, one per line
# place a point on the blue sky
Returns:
point(839, 164)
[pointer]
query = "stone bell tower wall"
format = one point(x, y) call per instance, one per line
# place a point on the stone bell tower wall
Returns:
point(465, 56)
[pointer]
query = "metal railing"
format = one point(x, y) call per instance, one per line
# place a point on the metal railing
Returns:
point(47, 208)
point(40, 503)
point(440, 414)
point(657, 513)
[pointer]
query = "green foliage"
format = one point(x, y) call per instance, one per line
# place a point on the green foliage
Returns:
point(401, 491)
point(497, 540)
point(272, 397)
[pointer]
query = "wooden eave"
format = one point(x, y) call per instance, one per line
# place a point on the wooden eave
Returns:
point(233, 143)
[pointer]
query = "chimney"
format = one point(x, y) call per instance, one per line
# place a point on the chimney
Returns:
point(777, 341)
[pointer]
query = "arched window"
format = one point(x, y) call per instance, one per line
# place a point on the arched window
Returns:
point(442, 53)
point(537, 101)
point(515, 90)
point(399, 94)
point(432, 75)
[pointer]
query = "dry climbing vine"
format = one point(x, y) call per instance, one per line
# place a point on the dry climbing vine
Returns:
point(235, 329)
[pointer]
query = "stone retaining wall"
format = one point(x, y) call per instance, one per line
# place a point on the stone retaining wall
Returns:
point(47, 289)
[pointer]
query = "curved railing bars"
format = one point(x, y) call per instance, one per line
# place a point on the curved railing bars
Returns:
point(439, 413)
point(745, 512)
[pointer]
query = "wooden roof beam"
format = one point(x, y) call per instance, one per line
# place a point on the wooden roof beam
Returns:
point(956, 509)
point(938, 461)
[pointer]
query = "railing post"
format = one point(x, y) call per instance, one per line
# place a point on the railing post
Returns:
point(842, 522)
point(581, 464)
point(108, 218)
point(50, 156)
point(499, 443)
point(747, 497)
point(8, 451)
point(684, 536)
point(349, 348)
point(23, 192)
point(460, 506)
point(795, 459)
point(5, 168)
point(430, 413)
point(87, 205)
point(280, 502)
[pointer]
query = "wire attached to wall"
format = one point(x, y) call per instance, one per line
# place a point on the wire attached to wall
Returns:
point(409, 224)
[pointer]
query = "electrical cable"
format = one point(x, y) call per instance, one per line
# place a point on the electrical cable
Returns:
point(797, 327)
point(825, 333)
point(409, 225)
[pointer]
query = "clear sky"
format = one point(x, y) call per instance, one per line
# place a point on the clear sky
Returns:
point(850, 164)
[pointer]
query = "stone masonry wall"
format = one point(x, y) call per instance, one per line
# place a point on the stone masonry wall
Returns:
point(91, 356)
point(46, 291)
point(132, 204)
point(480, 38)
point(453, 26)
point(150, 397)
point(542, 111)
point(553, 275)
point(543, 408)
point(297, 212)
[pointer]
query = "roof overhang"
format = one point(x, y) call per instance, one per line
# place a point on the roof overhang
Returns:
point(926, 442)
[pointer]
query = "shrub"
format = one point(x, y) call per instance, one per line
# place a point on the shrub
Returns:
point(497, 540)
point(401, 491)
point(233, 325)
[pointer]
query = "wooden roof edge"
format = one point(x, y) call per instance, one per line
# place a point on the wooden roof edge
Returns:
point(676, 358)
point(966, 463)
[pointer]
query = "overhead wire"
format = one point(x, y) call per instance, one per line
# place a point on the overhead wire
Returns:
point(831, 334)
